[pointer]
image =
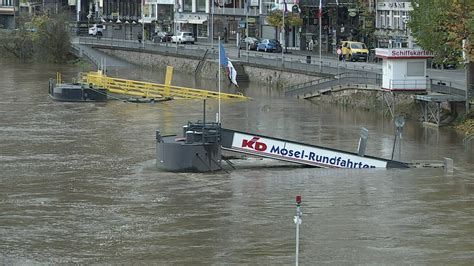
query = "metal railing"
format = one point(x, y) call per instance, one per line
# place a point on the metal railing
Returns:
point(409, 84)
point(447, 87)
point(257, 58)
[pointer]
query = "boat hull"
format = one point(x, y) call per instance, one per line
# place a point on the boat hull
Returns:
point(76, 93)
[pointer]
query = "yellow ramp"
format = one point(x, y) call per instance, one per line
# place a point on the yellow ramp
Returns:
point(152, 90)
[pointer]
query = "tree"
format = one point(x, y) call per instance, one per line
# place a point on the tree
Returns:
point(17, 43)
point(275, 19)
point(42, 38)
point(52, 42)
point(440, 26)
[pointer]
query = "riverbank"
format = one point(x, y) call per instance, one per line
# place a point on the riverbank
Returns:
point(280, 78)
point(467, 125)
point(372, 101)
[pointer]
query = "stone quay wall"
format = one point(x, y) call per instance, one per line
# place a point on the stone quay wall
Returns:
point(370, 99)
point(186, 64)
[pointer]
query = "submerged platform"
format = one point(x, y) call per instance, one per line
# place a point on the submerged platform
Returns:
point(200, 150)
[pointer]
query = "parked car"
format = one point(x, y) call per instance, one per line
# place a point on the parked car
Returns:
point(354, 51)
point(183, 37)
point(162, 37)
point(96, 30)
point(253, 46)
point(248, 42)
point(269, 45)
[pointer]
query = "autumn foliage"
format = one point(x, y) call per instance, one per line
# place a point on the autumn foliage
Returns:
point(441, 25)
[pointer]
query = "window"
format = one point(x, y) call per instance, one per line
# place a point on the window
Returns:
point(404, 20)
point(388, 21)
point(415, 69)
point(153, 11)
point(382, 19)
point(202, 30)
point(201, 5)
point(7, 2)
point(396, 19)
point(187, 5)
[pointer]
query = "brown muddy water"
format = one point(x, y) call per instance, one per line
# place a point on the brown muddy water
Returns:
point(78, 184)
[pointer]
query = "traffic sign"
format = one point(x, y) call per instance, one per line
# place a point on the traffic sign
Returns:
point(339, 51)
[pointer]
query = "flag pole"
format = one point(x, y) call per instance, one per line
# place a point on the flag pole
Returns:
point(219, 74)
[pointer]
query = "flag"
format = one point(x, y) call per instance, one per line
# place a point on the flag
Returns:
point(222, 57)
point(232, 73)
point(225, 62)
point(337, 2)
point(247, 6)
point(320, 12)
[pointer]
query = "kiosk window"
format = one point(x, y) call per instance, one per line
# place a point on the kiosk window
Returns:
point(415, 69)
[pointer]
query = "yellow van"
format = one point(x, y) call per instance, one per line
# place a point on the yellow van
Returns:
point(354, 51)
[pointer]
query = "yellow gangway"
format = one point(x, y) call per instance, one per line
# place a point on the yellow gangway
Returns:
point(152, 90)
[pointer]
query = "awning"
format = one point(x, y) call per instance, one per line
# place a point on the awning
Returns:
point(181, 21)
point(196, 21)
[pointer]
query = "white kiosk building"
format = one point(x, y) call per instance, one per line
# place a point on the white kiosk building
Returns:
point(404, 69)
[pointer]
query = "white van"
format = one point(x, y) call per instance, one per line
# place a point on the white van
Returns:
point(96, 30)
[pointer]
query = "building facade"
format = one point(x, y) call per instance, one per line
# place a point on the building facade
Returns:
point(8, 11)
point(391, 24)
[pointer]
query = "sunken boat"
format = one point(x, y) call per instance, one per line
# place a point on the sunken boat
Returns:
point(76, 92)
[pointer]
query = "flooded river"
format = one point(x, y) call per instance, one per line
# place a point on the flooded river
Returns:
point(78, 184)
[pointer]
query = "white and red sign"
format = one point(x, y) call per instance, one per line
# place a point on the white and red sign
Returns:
point(296, 152)
point(402, 53)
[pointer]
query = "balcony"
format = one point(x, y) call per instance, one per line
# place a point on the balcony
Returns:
point(235, 11)
point(7, 10)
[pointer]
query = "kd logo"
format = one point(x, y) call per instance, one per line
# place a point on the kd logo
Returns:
point(254, 144)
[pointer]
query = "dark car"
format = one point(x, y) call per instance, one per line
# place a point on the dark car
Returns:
point(162, 37)
point(248, 41)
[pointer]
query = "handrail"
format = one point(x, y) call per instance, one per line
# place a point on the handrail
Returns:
point(467, 140)
point(342, 79)
point(201, 63)
point(319, 84)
